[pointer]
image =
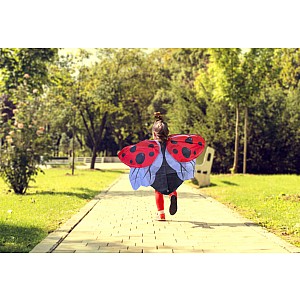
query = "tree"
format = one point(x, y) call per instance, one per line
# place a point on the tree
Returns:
point(218, 122)
point(93, 106)
point(224, 70)
point(114, 95)
point(273, 135)
point(256, 67)
point(60, 95)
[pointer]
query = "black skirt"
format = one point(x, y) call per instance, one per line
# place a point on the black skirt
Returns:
point(166, 179)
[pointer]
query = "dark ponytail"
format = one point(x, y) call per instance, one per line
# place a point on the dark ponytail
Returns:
point(160, 127)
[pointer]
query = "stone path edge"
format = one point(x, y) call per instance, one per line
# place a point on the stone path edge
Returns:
point(52, 241)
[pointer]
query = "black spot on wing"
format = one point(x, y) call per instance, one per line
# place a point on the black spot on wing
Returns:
point(186, 152)
point(189, 140)
point(140, 158)
point(133, 149)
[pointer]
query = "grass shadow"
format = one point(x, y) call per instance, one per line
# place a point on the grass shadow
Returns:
point(19, 239)
point(229, 183)
point(119, 171)
point(85, 193)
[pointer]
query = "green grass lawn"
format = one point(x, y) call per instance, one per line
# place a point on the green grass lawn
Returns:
point(272, 201)
point(49, 202)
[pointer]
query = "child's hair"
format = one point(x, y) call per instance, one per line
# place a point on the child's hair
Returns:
point(160, 127)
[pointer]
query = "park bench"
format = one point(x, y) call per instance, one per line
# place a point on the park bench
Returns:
point(203, 167)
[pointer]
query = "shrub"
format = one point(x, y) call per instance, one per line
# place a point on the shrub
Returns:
point(24, 139)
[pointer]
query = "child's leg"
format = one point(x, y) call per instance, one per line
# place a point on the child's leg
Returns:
point(173, 204)
point(159, 198)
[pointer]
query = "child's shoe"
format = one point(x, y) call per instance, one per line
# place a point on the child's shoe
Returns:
point(161, 216)
point(173, 205)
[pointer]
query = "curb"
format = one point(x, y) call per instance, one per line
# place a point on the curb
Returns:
point(52, 241)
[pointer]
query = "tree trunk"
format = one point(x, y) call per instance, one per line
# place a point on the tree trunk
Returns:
point(120, 139)
point(236, 144)
point(98, 140)
point(56, 150)
point(73, 144)
point(73, 157)
point(94, 156)
point(245, 141)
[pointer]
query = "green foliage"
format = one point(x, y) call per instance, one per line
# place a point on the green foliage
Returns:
point(263, 82)
point(16, 62)
point(65, 144)
point(274, 133)
point(177, 98)
point(219, 124)
point(287, 63)
point(228, 79)
point(61, 96)
point(244, 102)
point(130, 79)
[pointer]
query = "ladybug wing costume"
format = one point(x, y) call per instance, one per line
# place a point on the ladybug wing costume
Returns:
point(165, 165)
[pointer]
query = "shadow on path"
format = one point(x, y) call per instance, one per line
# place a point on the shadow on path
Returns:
point(181, 195)
point(198, 224)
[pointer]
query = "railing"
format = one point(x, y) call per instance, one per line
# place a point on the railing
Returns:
point(202, 168)
point(85, 160)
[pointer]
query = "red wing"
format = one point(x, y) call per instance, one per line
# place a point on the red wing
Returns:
point(185, 147)
point(139, 155)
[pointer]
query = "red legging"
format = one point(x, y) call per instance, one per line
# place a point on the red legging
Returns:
point(160, 199)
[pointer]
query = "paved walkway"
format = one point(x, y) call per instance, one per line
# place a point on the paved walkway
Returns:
point(121, 220)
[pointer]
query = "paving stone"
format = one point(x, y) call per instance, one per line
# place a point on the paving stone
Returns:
point(132, 250)
point(65, 251)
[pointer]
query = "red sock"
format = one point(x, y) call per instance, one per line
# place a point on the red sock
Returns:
point(159, 198)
